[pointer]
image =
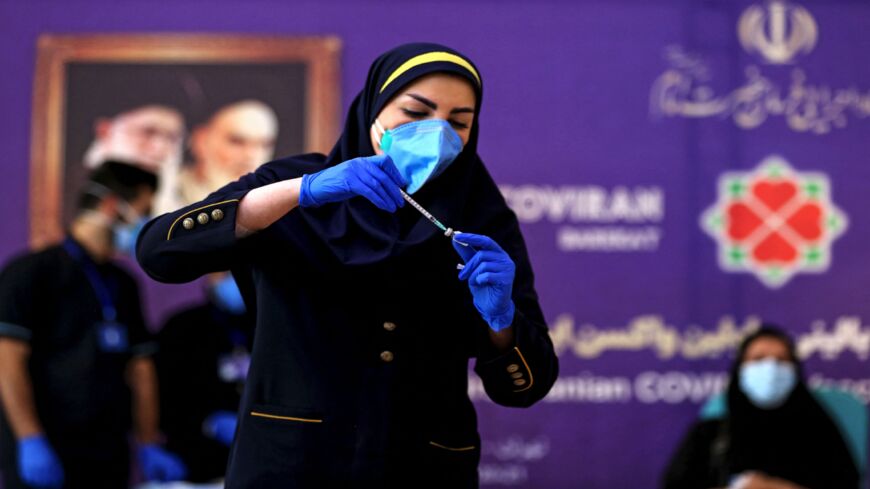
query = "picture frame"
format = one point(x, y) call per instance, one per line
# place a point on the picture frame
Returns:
point(75, 74)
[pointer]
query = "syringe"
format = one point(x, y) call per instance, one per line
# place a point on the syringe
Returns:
point(449, 232)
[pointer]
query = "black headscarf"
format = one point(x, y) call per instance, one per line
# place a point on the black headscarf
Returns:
point(463, 196)
point(796, 441)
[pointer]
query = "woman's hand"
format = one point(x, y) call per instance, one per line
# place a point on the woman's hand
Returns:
point(490, 274)
point(373, 177)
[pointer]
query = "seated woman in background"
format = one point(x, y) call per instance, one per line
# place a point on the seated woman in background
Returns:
point(775, 435)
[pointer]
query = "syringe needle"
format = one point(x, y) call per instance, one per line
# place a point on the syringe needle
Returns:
point(449, 232)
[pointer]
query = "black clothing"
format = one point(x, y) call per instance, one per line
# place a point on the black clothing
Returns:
point(81, 471)
point(364, 332)
point(797, 441)
point(355, 232)
point(700, 463)
point(200, 361)
point(79, 387)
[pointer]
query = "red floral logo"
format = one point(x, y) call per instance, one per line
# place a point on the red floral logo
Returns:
point(774, 222)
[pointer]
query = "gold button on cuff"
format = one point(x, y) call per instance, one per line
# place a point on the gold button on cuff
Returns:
point(187, 223)
point(217, 214)
point(389, 326)
point(519, 382)
point(387, 356)
point(512, 368)
point(202, 218)
point(517, 375)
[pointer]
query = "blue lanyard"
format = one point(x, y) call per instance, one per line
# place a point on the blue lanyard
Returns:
point(101, 288)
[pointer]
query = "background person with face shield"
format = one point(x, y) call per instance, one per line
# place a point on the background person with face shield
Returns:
point(359, 370)
point(775, 435)
point(76, 374)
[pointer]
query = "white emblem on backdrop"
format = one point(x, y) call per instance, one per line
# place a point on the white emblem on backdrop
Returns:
point(778, 32)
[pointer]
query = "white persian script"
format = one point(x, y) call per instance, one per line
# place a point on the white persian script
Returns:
point(683, 90)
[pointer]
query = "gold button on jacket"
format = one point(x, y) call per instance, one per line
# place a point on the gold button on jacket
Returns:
point(202, 218)
point(217, 214)
point(187, 223)
point(324, 354)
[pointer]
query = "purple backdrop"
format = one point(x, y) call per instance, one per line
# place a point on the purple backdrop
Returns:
point(608, 125)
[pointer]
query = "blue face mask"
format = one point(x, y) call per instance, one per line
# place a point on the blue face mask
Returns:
point(768, 382)
point(227, 295)
point(421, 150)
point(124, 236)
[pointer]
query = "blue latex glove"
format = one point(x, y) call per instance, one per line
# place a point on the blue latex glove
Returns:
point(373, 177)
point(220, 426)
point(38, 465)
point(160, 465)
point(490, 274)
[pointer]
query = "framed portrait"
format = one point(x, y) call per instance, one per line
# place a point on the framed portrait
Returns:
point(197, 110)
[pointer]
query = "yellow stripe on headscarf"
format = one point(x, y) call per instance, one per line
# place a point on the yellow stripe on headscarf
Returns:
point(430, 58)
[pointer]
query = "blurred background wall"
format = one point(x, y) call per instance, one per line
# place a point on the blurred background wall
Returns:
point(627, 135)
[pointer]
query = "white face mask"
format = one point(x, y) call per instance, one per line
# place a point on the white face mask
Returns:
point(768, 382)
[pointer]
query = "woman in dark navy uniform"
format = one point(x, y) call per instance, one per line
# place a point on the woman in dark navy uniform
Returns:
point(359, 368)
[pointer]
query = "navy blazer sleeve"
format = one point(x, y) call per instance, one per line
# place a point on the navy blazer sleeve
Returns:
point(524, 374)
point(201, 238)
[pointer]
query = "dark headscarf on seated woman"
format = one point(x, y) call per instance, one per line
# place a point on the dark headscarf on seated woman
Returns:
point(464, 196)
point(797, 441)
